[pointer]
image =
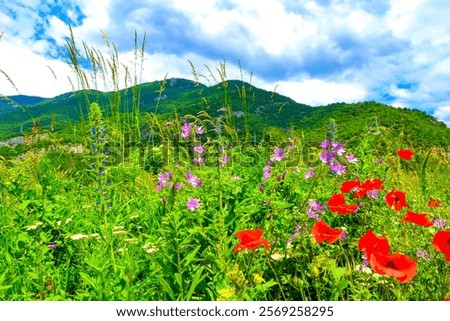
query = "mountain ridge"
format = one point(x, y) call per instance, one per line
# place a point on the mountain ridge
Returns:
point(185, 96)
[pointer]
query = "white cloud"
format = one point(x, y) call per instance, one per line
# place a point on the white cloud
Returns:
point(317, 92)
point(443, 113)
point(318, 52)
point(31, 74)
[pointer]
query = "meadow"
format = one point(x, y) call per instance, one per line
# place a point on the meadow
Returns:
point(195, 208)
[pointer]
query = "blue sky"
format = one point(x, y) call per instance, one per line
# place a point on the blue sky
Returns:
point(317, 52)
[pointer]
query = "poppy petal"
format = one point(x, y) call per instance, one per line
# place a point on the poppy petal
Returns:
point(397, 265)
point(418, 219)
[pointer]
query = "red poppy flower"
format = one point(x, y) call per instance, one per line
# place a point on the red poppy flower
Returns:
point(416, 218)
point(397, 265)
point(369, 243)
point(348, 186)
point(405, 154)
point(441, 242)
point(337, 204)
point(250, 240)
point(396, 200)
point(361, 189)
point(323, 232)
point(434, 203)
point(447, 298)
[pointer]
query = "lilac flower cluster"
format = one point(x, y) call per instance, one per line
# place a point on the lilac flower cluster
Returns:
point(315, 209)
point(423, 254)
point(186, 130)
point(164, 180)
point(193, 180)
point(439, 223)
point(199, 158)
point(332, 150)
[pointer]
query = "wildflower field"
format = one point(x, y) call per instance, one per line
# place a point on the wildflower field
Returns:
point(214, 219)
point(191, 209)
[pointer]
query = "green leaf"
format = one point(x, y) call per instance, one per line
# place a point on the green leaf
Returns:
point(166, 287)
point(190, 257)
point(195, 282)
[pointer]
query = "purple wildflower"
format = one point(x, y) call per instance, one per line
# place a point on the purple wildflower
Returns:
point(198, 160)
point(179, 186)
point(199, 149)
point(326, 157)
point(312, 214)
point(199, 130)
point(365, 260)
point(267, 202)
point(309, 173)
point(52, 245)
point(344, 234)
point(291, 147)
point(439, 223)
point(315, 209)
point(225, 159)
point(193, 180)
point(192, 204)
point(278, 154)
point(338, 148)
point(373, 193)
point(423, 255)
point(186, 130)
point(326, 144)
point(164, 177)
point(338, 168)
point(267, 173)
point(295, 235)
point(351, 158)
point(261, 188)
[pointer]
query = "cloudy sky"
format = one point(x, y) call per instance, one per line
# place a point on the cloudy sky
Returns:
point(317, 52)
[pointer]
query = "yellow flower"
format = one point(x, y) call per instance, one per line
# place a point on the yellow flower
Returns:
point(258, 279)
point(225, 294)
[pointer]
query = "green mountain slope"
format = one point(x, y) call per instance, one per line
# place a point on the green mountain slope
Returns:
point(259, 109)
